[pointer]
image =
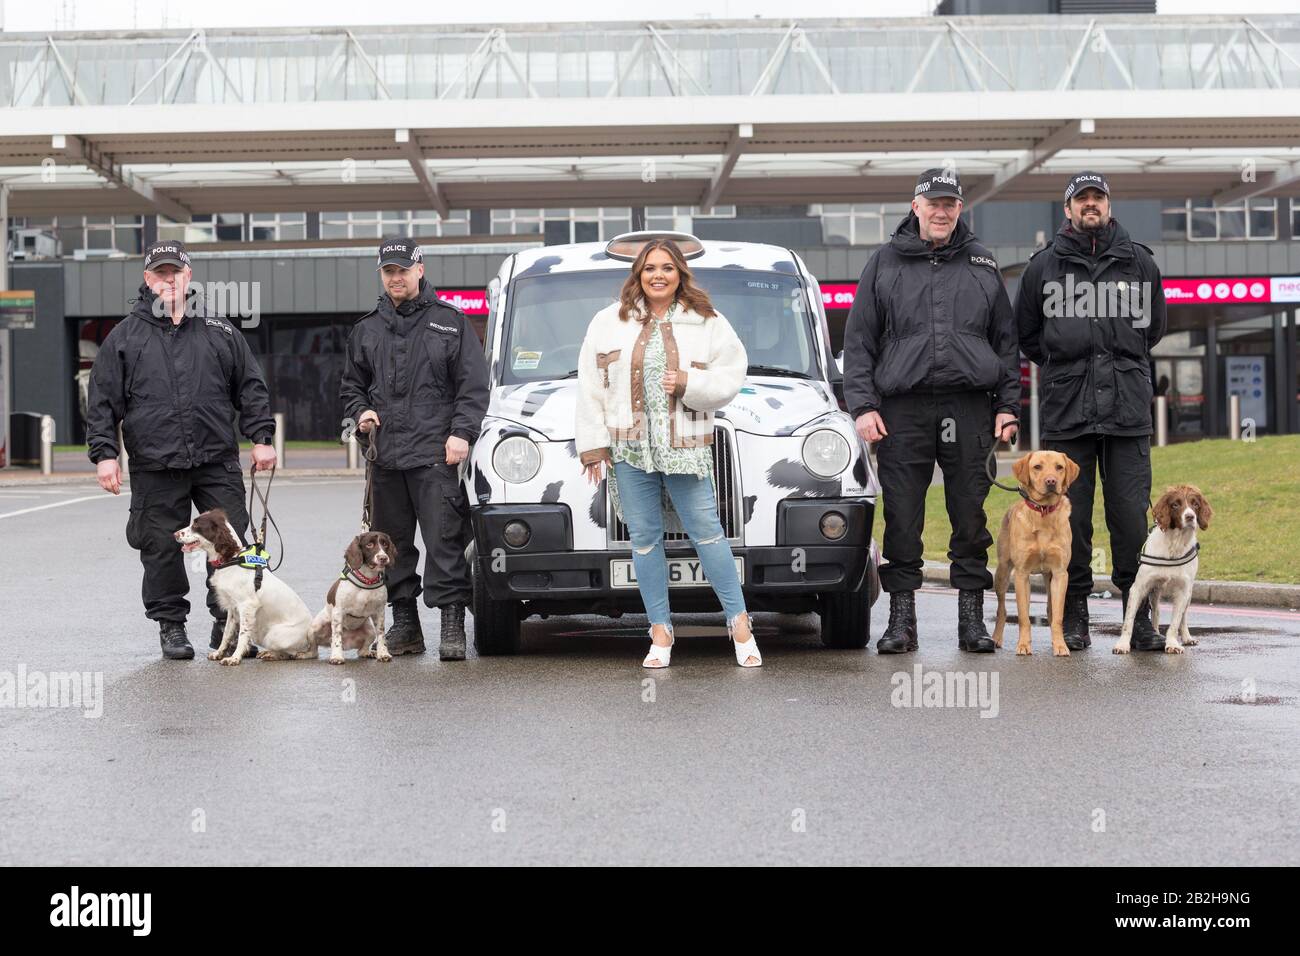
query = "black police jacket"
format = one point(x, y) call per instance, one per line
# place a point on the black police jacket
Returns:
point(420, 367)
point(930, 319)
point(1089, 310)
point(176, 390)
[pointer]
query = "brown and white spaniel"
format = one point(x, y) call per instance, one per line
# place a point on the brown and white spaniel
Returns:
point(1168, 565)
point(353, 616)
point(272, 615)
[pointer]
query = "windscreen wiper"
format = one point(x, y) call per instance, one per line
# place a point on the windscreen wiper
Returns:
point(775, 370)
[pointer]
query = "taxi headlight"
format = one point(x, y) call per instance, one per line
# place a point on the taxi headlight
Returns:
point(517, 459)
point(825, 453)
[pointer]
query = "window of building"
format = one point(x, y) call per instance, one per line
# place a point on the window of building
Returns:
point(104, 234)
point(349, 225)
point(564, 224)
point(275, 226)
point(512, 222)
point(857, 224)
point(426, 222)
point(376, 225)
point(1295, 218)
point(681, 218)
point(1199, 220)
point(205, 227)
point(1173, 223)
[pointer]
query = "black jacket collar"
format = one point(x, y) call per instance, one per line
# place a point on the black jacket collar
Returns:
point(405, 316)
point(143, 306)
point(908, 242)
point(1113, 242)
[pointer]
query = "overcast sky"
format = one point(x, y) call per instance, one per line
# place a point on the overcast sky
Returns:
point(25, 15)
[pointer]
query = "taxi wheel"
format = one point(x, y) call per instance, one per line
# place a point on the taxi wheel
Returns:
point(496, 623)
point(846, 617)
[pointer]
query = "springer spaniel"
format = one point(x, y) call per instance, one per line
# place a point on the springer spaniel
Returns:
point(1168, 565)
point(272, 616)
point(353, 615)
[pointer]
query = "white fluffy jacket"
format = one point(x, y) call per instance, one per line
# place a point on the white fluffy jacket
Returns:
point(707, 354)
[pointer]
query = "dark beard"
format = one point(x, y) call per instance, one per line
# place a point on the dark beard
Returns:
point(1092, 230)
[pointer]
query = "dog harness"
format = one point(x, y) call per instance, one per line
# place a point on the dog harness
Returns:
point(253, 558)
point(1144, 558)
point(355, 577)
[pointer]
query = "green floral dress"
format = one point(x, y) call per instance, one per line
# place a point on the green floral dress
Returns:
point(657, 452)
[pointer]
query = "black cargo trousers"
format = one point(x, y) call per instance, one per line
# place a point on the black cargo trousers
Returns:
point(160, 505)
point(1125, 466)
point(431, 495)
point(954, 430)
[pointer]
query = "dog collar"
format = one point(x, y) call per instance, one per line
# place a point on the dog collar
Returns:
point(251, 558)
point(355, 576)
point(1041, 509)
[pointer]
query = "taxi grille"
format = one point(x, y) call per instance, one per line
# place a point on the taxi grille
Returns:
point(726, 489)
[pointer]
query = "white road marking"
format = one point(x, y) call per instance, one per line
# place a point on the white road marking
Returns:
point(59, 504)
point(127, 494)
point(18, 492)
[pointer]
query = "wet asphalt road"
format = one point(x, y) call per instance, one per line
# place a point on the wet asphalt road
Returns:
point(571, 753)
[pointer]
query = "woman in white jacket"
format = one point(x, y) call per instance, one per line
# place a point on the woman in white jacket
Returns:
point(654, 366)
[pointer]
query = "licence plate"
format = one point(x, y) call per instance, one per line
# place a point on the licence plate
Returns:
point(682, 573)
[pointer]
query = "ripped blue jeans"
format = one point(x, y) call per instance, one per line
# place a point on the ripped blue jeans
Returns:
point(694, 502)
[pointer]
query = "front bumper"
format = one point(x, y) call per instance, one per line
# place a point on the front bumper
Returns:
point(553, 577)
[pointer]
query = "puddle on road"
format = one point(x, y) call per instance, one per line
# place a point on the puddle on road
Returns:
point(1213, 648)
point(1262, 700)
point(1197, 631)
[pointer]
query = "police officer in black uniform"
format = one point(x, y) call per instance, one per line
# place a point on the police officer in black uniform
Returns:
point(1089, 310)
point(175, 377)
point(416, 383)
point(932, 373)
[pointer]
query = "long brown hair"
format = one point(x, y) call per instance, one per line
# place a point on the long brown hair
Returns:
point(688, 293)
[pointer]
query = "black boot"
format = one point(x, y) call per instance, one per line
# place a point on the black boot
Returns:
point(175, 645)
point(451, 647)
point(1074, 621)
point(219, 630)
point(405, 635)
point(900, 635)
point(1145, 636)
point(972, 634)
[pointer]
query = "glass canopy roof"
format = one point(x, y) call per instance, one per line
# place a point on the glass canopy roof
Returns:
point(938, 54)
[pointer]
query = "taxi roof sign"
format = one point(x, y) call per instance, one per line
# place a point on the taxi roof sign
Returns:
point(629, 245)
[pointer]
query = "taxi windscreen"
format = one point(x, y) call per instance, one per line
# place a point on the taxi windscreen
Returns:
point(549, 315)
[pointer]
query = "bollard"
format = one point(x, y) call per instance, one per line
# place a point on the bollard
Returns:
point(1234, 417)
point(354, 453)
point(278, 441)
point(1162, 421)
point(123, 460)
point(47, 445)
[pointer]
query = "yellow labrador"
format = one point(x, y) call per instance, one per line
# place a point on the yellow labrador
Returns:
point(1035, 539)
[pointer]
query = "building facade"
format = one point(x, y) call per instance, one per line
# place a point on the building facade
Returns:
point(282, 156)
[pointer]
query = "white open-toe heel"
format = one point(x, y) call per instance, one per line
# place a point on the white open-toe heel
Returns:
point(748, 649)
point(660, 654)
